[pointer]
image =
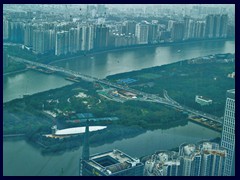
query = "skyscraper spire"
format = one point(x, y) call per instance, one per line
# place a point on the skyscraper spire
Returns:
point(85, 150)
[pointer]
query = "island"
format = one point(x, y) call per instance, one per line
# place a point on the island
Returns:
point(124, 114)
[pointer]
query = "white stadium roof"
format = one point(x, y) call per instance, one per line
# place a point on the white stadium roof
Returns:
point(78, 130)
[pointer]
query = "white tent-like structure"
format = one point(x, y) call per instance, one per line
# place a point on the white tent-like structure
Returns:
point(75, 130)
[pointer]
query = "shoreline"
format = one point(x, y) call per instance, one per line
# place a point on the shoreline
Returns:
point(14, 72)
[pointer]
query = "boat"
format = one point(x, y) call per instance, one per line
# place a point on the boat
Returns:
point(179, 51)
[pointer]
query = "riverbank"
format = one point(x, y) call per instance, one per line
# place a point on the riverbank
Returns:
point(15, 72)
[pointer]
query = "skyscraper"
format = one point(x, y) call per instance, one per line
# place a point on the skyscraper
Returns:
point(153, 33)
point(5, 28)
point(130, 27)
point(41, 41)
point(177, 31)
point(28, 35)
point(85, 152)
point(62, 43)
point(209, 26)
point(16, 31)
point(190, 159)
point(228, 133)
point(101, 37)
point(163, 163)
point(200, 26)
point(213, 159)
point(73, 40)
point(216, 28)
point(224, 26)
point(142, 33)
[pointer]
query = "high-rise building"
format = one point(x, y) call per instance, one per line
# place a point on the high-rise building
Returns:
point(177, 32)
point(209, 26)
point(52, 39)
point(79, 38)
point(153, 33)
point(62, 43)
point(101, 37)
point(163, 163)
point(200, 27)
point(130, 27)
point(5, 28)
point(186, 27)
point(41, 39)
point(216, 27)
point(73, 40)
point(224, 26)
point(213, 159)
point(228, 133)
point(203, 159)
point(112, 163)
point(142, 33)
point(84, 36)
point(16, 31)
point(5, 59)
point(170, 25)
point(28, 35)
point(190, 159)
point(66, 42)
point(89, 37)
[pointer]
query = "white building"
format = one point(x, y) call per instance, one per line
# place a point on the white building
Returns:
point(142, 33)
point(203, 101)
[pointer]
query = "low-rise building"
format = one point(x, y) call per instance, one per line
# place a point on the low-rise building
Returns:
point(112, 163)
point(203, 101)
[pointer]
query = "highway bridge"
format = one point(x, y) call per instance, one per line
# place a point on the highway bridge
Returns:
point(144, 96)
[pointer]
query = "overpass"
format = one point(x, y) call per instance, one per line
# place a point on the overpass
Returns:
point(145, 96)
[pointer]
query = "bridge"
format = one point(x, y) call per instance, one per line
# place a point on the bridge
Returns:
point(145, 96)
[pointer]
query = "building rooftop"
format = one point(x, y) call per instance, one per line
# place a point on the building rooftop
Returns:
point(78, 130)
point(204, 98)
point(112, 162)
point(231, 93)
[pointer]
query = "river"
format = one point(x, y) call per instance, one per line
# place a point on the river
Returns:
point(17, 152)
point(105, 64)
point(20, 158)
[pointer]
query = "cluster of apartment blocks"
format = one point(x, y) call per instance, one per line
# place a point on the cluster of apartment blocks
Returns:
point(204, 159)
point(43, 36)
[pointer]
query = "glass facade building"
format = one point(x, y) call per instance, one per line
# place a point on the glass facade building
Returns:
point(228, 133)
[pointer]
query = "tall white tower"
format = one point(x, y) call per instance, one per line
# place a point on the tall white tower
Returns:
point(228, 133)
